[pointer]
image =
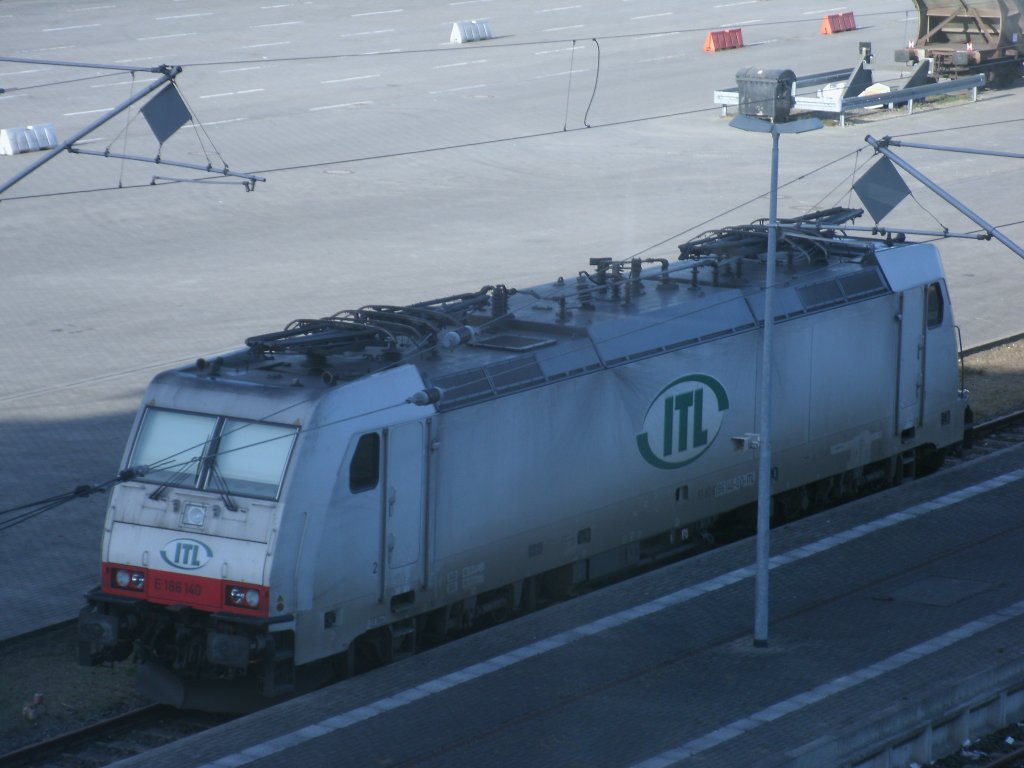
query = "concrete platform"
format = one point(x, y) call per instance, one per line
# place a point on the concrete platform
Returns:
point(894, 634)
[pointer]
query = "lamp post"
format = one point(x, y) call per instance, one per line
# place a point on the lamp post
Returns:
point(748, 122)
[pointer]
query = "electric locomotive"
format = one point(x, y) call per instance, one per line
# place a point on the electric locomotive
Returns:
point(337, 492)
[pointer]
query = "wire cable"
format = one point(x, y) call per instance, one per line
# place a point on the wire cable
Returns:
point(568, 87)
point(597, 77)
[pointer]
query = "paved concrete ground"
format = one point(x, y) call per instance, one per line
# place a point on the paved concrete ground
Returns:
point(399, 167)
point(895, 626)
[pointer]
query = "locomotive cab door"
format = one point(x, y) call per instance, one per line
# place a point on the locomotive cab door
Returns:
point(403, 508)
point(911, 359)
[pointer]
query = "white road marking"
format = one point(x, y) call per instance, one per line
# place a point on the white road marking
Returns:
point(240, 69)
point(126, 82)
point(340, 106)
point(377, 13)
point(86, 112)
point(455, 90)
point(65, 29)
point(552, 50)
point(266, 45)
point(460, 64)
point(496, 663)
point(650, 16)
point(824, 10)
point(555, 10)
point(374, 32)
point(561, 74)
point(277, 24)
point(663, 58)
point(230, 93)
point(222, 122)
point(348, 79)
point(166, 37)
point(559, 29)
point(51, 48)
point(183, 16)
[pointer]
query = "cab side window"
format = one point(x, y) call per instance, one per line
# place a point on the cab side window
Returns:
point(935, 305)
point(364, 471)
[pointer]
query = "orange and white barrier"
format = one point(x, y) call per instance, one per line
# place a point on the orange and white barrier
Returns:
point(723, 40)
point(838, 22)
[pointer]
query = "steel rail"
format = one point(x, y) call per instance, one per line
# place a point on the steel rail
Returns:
point(30, 755)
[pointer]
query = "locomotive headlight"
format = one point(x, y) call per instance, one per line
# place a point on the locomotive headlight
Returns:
point(194, 514)
point(243, 597)
point(125, 579)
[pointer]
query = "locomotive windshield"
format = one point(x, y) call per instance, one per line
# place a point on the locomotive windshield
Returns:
point(213, 453)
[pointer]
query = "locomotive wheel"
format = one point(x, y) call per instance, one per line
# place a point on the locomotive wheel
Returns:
point(929, 461)
point(372, 649)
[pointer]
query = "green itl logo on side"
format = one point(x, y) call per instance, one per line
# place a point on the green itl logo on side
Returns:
point(683, 421)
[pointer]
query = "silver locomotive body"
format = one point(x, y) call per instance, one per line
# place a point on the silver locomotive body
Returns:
point(351, 486)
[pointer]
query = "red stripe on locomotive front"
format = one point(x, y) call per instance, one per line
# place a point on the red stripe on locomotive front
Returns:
point(199, 592)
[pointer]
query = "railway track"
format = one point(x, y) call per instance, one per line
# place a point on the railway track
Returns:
point(139, 729)
point(147, 727)
point(992, 435)
point(1014, 759)
point(115, 738)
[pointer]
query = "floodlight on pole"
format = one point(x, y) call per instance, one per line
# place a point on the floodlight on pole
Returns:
point(747, 122)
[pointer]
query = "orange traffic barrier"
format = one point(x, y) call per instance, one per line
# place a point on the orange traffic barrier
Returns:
point(838, 22)
point(723, 40)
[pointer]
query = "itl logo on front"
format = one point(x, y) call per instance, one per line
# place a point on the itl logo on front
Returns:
point(683, 421)
point(187, 554)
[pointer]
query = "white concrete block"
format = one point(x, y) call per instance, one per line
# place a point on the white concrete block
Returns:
point(471, 31)
point(31, 138)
